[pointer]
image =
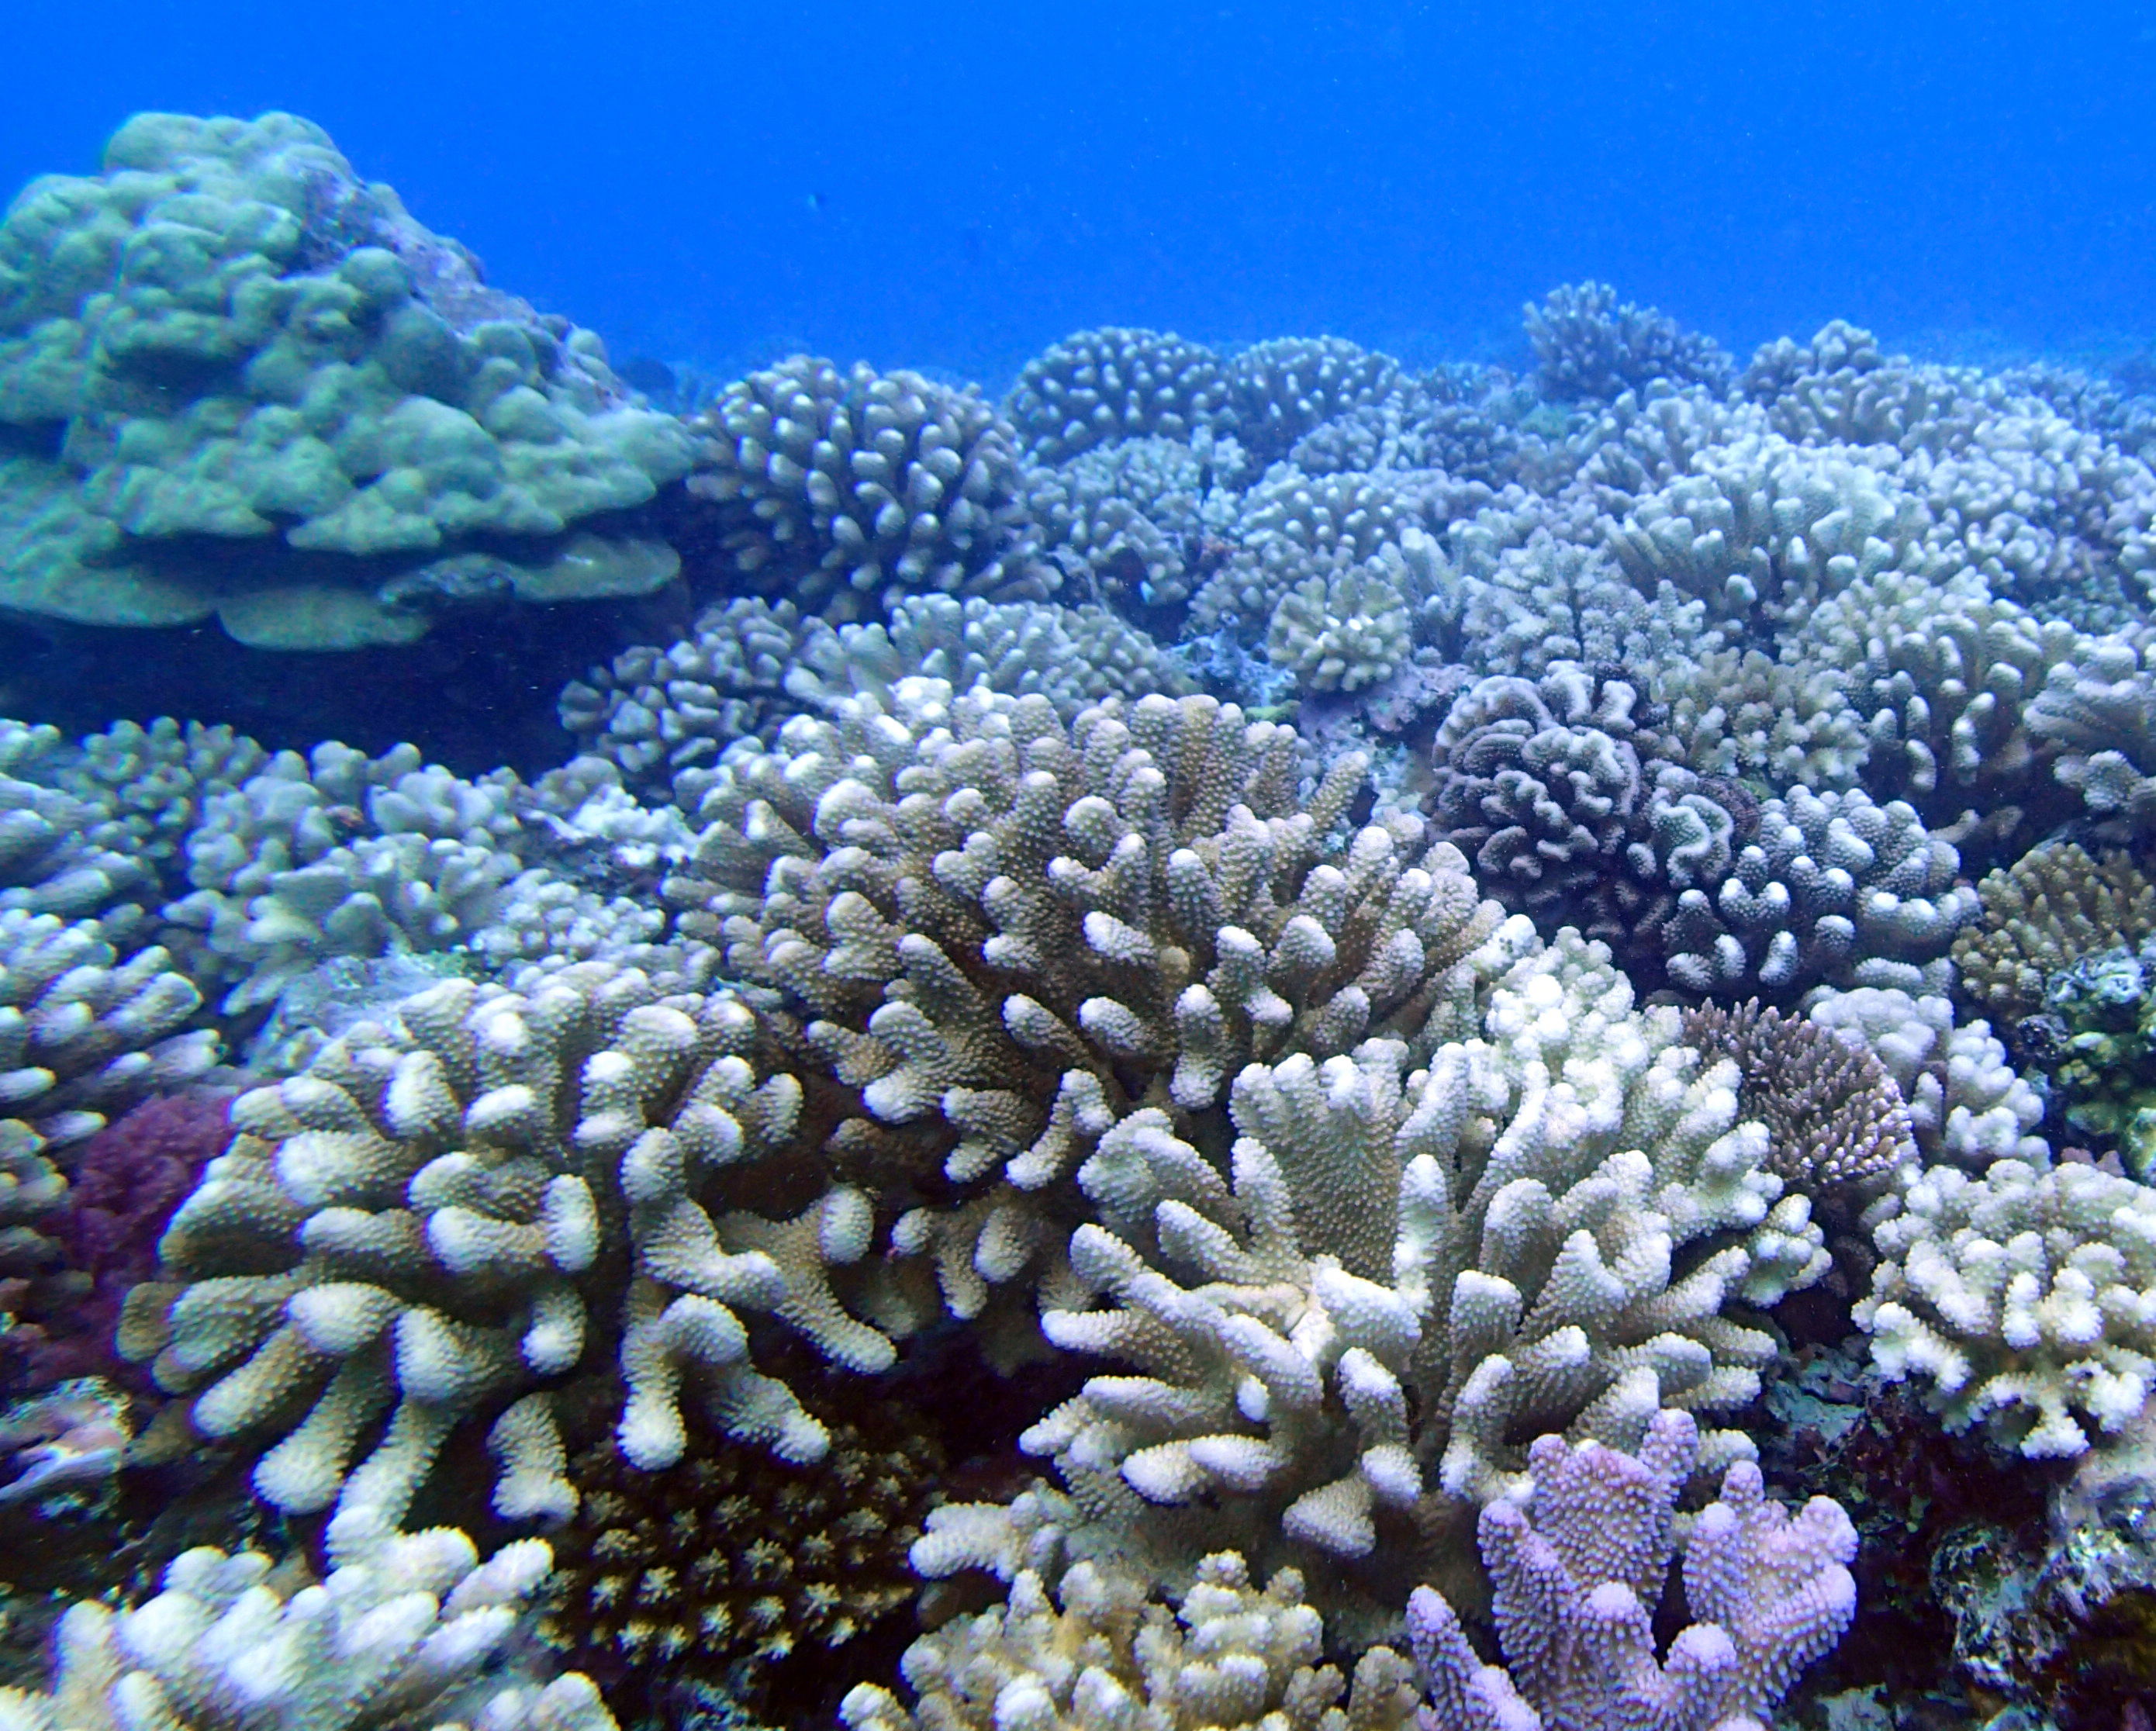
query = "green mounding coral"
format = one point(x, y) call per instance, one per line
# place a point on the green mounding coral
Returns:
point(235, 379)
point(2098, 1028)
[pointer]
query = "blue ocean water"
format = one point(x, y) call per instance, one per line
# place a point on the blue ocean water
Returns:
point(954, 185)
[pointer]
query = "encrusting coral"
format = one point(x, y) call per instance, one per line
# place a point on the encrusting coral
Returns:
point(1577, 1571)
point(443, 1217)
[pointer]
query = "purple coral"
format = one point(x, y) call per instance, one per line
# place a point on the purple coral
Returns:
point(123, 1185)
point(1574, 1589)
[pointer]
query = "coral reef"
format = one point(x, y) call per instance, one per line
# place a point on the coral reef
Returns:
point(1322, 952)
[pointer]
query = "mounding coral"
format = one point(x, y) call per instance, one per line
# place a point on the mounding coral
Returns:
point(228, 341)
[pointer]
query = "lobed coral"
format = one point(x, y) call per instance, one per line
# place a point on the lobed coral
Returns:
point(228, 337)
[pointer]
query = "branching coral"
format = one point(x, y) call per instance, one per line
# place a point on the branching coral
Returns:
point(1565, 794)
point(847, 491)
point(1835, 1120)
point(1944, 675)
point(1292, 526)
point(1340, 633)
point(1763, 530)
point(1100, 1653)
point(1407, 1271)
point(1835, 888)
point(1000, 934)
point(1588, 346)
point(1966, 1104)
point(1098, 386)
point(663, 716)
point(1281, 390)
point(2021, 1298)
point(2100, 712)
point(1129, 522)
point(443, 1217)
point(401, 1633)
point(1578, 1572)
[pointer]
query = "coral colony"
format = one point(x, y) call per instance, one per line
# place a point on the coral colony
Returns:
point(1251, 1040)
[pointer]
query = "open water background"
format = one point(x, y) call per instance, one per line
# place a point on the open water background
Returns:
point(952, 184)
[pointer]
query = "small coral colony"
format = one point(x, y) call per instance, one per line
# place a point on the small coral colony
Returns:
point(1251, 1040)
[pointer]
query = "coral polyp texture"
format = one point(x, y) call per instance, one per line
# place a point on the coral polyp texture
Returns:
point(729, 1564)
point(229, 340)
point(1577, 1571)
point(1176, 986)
